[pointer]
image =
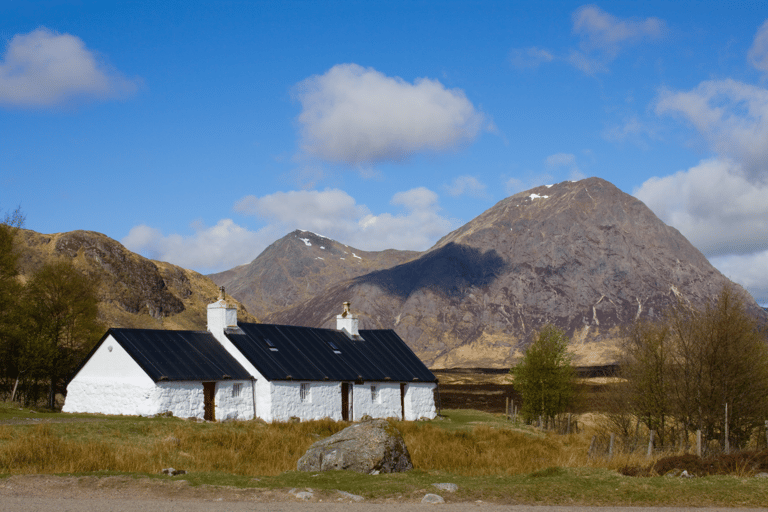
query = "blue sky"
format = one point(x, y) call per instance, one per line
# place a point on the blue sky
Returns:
point(199, 133)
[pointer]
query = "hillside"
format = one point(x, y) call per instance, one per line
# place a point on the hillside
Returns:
point(581, 255)
point(134, 291)
point(299, 266)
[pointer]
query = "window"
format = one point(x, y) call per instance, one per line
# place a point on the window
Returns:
point(375, 395)
point(270, 344)
point(236, 388)
point(304, 392)
point(334, 347)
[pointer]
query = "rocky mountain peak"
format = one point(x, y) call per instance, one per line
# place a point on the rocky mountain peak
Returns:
point(582, 255)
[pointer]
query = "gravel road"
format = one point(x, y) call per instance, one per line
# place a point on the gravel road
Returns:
point(45, 493)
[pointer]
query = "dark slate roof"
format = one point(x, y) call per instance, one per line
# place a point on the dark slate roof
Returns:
point(282, 352)
point(179, 355)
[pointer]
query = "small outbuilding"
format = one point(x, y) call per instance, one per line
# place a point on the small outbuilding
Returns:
point(272, 372)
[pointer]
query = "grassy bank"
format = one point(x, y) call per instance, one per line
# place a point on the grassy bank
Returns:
point(488, 457)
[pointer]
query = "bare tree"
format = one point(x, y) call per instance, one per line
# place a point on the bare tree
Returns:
point(684, 369)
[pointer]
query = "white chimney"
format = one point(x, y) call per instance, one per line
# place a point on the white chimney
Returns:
point(221, 314)
point(347, 322)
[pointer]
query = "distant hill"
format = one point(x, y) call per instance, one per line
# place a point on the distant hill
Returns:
point(299, 266)
point(134, 291)
point(583, 255)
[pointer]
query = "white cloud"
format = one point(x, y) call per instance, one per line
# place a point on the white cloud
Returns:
point(604, 36)
point(323, 212)
point(359, 116)
point(336, 214)
point(209, 249)
point(532, 57)
point(44, 68)
point(747, 270)
point(567, 161)
point(758, 52)
point(732, 116)
point(468, 185)
point(560, 160)
point(720, 212)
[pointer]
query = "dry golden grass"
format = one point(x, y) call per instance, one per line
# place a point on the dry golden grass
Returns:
point(467, 446)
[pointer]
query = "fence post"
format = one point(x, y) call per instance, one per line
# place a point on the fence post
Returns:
point(650, 444)
point(568, 427)
point(698, 443)
point(610, 446)
point(766, 433)
point(727, 443)
point(506, 409)
point(592, 445)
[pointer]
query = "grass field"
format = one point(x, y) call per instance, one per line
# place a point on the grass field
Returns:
point(488, 457)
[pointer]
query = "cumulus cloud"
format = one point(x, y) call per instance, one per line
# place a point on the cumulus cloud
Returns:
point(567, 161)
point(359, 116)
point(758, 52)
point(532, 57)
point(732, 116)
point(43, 68)
point(747, 270)
point(467, 185)
point(336, 214)
point(208, 249)
point(604, 36)
point(720, 212)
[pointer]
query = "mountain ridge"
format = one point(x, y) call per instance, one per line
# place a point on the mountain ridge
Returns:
point(581, 255)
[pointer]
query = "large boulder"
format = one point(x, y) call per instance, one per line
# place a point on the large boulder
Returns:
point(372, 446)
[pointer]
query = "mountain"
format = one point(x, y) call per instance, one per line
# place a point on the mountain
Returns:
point(299, 266)
point(134, 291)
point(581, 255)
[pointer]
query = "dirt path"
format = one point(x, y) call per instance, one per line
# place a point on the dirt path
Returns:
point(46, 493)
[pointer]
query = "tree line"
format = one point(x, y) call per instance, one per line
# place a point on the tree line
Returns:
point(48, 321)
point(696, 368)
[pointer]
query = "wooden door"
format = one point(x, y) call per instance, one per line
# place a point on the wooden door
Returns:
point(345, 401)
point(209, 401)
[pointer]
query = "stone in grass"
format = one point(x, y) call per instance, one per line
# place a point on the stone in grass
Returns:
point(302, 495)
point(432, 498)
point(447, 487)
point(373, 446)
point(173, 472)
point(350, 496)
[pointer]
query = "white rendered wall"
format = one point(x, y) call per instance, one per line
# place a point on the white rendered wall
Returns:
point(389, 407)
point(324, 401)
point(184, 399)
point(420, 401)
point(110, 382)
point(234, 408)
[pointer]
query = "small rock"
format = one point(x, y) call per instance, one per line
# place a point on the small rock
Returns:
point(447, 487)
point(761, 475)
point(432, 498)
point(175, 441)
point(349, 495)
point(302, 495)
point(685, 474)
point(173, 472)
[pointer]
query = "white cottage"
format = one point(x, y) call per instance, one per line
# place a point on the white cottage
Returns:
point(273, 372)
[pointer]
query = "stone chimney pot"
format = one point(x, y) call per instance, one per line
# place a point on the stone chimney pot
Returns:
point(347, 322)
